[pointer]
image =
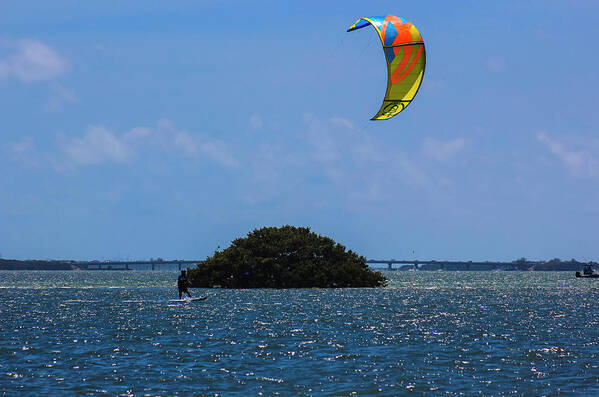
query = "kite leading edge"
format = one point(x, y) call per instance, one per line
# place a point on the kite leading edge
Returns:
point(406, 60)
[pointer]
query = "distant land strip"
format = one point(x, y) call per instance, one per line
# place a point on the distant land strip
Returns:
point(521, 264)
point(14, 264)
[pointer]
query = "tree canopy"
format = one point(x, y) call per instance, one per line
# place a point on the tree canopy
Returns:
point(285, 257)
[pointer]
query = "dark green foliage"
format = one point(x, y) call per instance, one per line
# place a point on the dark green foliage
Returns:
point(286, 257)
point(556, 264)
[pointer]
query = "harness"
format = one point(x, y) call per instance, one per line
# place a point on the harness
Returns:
point(182, 282)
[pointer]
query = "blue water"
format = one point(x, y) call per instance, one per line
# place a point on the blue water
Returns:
point(433, 333)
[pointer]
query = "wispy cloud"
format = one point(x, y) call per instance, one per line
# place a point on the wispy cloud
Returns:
point(348, 154)
point(22, 152)
point(272, 171)
point(31, 60)
point(442, 150)
point(582, 162)
point(100, 145)
point(336, 159)
point(59, 96)
point(192, 145)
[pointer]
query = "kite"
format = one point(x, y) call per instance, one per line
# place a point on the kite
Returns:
point(406, 59)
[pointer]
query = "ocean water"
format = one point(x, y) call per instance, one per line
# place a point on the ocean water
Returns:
point(428, 333)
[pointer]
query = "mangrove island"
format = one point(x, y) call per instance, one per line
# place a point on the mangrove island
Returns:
point(285, 257)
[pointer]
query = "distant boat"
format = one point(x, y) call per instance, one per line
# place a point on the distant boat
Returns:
point(587, 272)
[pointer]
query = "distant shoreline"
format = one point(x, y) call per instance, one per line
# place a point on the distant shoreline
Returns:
point(555, 265)
point(14, 264)
point(518, 265)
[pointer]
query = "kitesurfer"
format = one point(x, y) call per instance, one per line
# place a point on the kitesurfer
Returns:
point(183, 283)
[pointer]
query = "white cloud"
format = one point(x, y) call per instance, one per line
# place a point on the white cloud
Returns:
point(32, 60)
point(582, 162)
point(183, 141)
point(22, 152)
point(348, 155)
point(267, 169)
point(138, 133)
point(59, 96)
point(337, 159)
point(193, 145)
point(216, 151)
point(340, 121)
point(98, 145)
point(441, 150)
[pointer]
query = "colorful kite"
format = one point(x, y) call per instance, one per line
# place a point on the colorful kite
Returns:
point(406, 59)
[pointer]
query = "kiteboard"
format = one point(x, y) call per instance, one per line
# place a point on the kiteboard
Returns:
point(188, 300)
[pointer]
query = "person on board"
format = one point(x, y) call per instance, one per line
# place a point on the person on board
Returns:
point(183, 283)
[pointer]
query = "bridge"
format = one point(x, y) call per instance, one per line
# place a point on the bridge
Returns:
point(453, 265)
point(128, 265)
point(415, 263)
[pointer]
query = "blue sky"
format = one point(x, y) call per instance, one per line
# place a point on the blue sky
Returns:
point(139, 129)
